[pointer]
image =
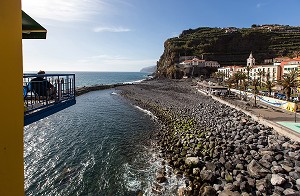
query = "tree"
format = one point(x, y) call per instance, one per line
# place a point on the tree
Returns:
point(219, 76)
point(248, 69)
point(269, 84)
point(245, 86)
point(255, 83)
point(261, 74)
point(238, 76)
point(229, 82)
point(289, 81)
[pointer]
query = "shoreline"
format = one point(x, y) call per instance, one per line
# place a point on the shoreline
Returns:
point(85, 89)
point(219, 149)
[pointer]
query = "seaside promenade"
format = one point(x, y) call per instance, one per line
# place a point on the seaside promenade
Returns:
point(282, 121)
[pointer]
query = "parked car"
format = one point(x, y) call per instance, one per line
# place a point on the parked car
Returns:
point(294, 98)
point(264, 93)
point(281, 96)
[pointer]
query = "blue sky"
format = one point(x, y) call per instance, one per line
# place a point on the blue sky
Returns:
point(127, 35)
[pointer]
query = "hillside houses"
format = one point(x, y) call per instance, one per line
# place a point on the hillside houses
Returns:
point(196, 67)
point(271, 72)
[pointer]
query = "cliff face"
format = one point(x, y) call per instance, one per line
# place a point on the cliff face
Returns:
point(230, 46)
point(150, 69)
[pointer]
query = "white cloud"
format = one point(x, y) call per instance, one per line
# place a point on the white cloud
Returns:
point(65, 10)
point(111, 29)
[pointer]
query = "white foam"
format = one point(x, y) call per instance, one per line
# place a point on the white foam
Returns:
point(134, 82)
point(146, 111)
point(144, 179)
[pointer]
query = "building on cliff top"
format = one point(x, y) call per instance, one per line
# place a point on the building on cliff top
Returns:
point(196, 67)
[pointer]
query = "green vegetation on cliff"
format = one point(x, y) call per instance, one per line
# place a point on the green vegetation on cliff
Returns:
point(231, 46)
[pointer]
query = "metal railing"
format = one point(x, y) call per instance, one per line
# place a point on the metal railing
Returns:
point(45, 94)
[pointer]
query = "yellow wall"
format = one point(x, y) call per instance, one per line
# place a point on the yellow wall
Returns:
point(11, 101)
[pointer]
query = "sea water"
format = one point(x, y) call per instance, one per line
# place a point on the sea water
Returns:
point(103, 145)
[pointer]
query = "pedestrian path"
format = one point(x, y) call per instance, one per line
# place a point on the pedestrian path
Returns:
point(291, 125)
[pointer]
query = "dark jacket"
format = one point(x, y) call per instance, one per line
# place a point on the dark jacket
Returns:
point(40, 86)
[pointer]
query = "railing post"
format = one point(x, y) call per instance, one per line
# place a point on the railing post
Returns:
point(62, 86)
point(59, 89)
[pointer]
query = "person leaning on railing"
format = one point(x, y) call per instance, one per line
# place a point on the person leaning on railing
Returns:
point(43, 87)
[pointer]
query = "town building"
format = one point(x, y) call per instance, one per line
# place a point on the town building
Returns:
point(289, 65)
point(197, 67)
point(251, 60)
point(269, 72)
point(229, 70)
point(199, 63)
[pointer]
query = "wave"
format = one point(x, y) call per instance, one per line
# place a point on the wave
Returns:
point(146, 111)
point(143, 180)
point(134, 82)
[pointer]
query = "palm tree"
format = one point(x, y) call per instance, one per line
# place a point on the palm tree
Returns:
point(255, 83)
point(248, 69)
point(261, 74)
point(245, 86)
point(219, 76)
point(269, 85)
point(238, 76)
point(229, 82)
point(288, 82)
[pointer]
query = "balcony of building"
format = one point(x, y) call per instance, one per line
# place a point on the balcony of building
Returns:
point(46, 94)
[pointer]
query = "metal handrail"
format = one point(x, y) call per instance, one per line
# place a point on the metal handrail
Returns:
point(43, 92)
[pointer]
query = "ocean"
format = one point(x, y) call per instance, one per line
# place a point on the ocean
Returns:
point(103, 145)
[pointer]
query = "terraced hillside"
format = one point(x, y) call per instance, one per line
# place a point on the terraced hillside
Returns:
point(231, 46)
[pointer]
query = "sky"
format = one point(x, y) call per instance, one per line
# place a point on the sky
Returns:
point(127, 35)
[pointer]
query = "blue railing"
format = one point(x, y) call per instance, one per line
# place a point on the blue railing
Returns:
point(46, 94)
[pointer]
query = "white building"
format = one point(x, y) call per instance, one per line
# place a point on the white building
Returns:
point(229, 71)
point(289, 67)
point(199, 63)
point(270, 72)
point(250, 60)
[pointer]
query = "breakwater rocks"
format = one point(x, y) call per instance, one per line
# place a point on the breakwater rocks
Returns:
point(220, 150)
point(86, 89)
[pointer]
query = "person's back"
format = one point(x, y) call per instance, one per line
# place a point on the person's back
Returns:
point(40, 86)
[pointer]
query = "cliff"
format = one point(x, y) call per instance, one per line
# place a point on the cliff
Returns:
point(230, 46)
point(150, 69)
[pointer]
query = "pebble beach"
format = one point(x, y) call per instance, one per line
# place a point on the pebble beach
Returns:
point(218, 149)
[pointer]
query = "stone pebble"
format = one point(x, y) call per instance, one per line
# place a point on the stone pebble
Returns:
point(219, 149)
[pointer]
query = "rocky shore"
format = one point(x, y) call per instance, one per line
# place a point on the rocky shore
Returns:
point(221, 151)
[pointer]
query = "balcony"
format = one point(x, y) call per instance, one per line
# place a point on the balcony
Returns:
point(46, 94)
